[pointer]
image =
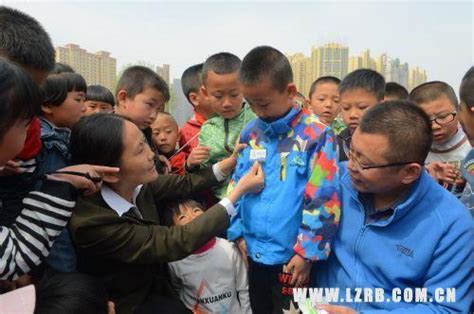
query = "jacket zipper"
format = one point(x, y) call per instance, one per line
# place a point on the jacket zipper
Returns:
point(226, 137)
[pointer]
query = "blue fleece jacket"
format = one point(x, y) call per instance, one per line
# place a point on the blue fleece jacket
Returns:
point(426, 242)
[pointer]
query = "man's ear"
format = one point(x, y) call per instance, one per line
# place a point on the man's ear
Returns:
point(291, 89)
point(411, 173)
point(121, 98)
point(193, 98)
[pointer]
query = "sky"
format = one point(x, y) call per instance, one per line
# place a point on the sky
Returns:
point(435, 35)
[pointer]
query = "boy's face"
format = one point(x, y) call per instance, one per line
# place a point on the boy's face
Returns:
point(13, 141)
point(143, 108)
point(224, 93)
point(354, 103)
point(325, 102)
point(165, 133)
point(267, 102)
point(69, 112)
point(466, 117)
point(186, 215)
point(93, 106)
point(441, 108)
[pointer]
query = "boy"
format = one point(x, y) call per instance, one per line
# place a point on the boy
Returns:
point(359, 91)
point(395, 91)
point(222, 87)
point(140, 95)
point(191, 82)
point(450, 144)
point(399, 228)
point(214, 272)
point(165, 137)
point(290, 225)
point(99, 100)
point(24, 42)
point(324, 101)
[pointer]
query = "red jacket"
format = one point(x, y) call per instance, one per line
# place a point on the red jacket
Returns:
point(190, 133)
point(177, 163)
point(33, 141)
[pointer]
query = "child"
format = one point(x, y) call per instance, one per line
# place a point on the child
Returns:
point(450, 143)
point(140, 95)
point(26, 43)
point(395, 91)
point(359, 90)
point(62, 107)
point(291, 223)
point(220, 133)
point(165, 137)
point(325, 102)
point(191, 82)
point(99, 100)
point(466, 117)
point(214, 272)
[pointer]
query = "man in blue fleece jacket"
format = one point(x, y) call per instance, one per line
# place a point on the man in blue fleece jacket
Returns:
point(398, 228)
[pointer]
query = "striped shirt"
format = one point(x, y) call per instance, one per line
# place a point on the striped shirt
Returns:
point(28, 241)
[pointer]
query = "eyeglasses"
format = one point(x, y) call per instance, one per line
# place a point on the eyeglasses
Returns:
point(444, 118)
point(359, 165)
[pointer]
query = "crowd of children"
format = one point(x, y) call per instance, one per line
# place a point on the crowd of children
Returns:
point(108, 205)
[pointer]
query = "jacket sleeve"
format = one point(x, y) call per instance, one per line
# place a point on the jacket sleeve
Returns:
point(118, 240)
point(28, 241)
point(172, 186)
point(235, 230)
point(321, 205)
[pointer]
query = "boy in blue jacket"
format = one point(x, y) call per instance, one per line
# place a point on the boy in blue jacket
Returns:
point(399, 228)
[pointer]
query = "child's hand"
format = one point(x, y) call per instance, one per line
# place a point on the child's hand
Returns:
point(442, 172)
point(299, 268)
point(253, 181)
point(198, 155)
point(166, 163)
point(227, 165)
point(243, 250)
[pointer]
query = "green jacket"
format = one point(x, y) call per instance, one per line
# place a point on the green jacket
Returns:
point(220, 135)
point(129, 253)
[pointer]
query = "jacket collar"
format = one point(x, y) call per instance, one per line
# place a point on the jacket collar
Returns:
point(281, 126)
point(50, 131)
point(117, 202)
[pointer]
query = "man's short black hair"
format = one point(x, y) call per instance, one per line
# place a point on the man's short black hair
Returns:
point(19, 96)
point(396, 91)
point(406, 126)
point(262, 62)
point(322, 80)
point(369, 80)
point(433, 90)
point(62, 68)
point(220, 63)
point(136, 79)
point(191, 80)
point(24, 41)
point(466, 92)
point(100, 93)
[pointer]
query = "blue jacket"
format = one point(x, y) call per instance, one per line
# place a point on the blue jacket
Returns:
point(426, 242)
point(298, 210)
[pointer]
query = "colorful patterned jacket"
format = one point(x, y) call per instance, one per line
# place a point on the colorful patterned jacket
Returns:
point(298, 210)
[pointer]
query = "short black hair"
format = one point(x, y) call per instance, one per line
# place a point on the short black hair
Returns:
point(102, 134)
point(396, 91)
point(136, 79)
point(73, 293)
point(221, 63)
point(173, 209)
point(24, 41)
point(54, 90)
point(369, 80)
point(322, 80)
point(20, 98)
point(262, 62)
point(466, 92)
point(74, 82)
point(100, 93)
point(406, 126)
point(62, 68)
point(191, 80)
point(433, 90)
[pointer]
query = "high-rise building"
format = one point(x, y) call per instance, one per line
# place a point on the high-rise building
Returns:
point(355, 63)
point(416, 76)
point(333, 60)
point(302, 74)
point(164, 72)
point(96, 68)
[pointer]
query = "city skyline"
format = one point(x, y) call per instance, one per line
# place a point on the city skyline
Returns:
point(433, 35)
